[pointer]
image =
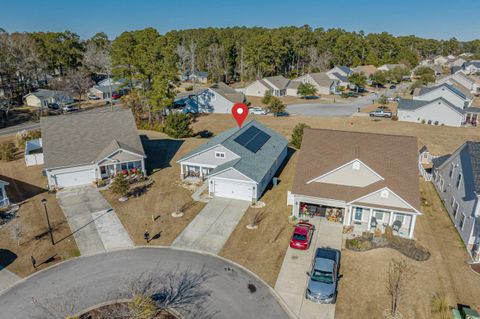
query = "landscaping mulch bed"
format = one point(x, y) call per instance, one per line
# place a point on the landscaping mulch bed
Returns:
point(407, 247)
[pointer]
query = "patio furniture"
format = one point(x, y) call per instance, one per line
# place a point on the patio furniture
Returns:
point(397, 225)
point(373, 222)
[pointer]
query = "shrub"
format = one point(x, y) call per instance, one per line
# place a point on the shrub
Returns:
point(120, 185)
point(33, 135)
point(423, 122)
point(8, 151)
point(177, 125)
point(306, 89)
point(189, 88)
point(267, 97)
point(297, 135)
point(20, 139)
point(276, 106)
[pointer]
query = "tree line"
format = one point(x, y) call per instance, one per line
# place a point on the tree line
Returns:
point(151, 62)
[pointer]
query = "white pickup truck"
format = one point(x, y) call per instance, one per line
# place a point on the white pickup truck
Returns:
point(380, 113)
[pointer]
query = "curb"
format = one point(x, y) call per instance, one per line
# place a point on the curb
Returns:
point(271, 290)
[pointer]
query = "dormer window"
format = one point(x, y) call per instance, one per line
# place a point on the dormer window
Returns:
point(219, 154)
point(384, 193)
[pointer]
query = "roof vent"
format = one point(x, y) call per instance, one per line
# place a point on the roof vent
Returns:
point(356, 165)
point(384, 193)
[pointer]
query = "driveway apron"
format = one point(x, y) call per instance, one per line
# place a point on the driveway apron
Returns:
point(93, 222)
point(210, 229)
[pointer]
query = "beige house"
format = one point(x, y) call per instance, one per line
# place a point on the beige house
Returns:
point(368, 181)
point(42, 98)
point(321, 81)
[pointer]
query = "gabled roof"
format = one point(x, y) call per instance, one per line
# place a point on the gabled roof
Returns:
point(43, 93)
point(427, 89)
point(253, 165)
point(279, 81)
point(339, 77)
point(86, 138)
point(106, 88)
point(411, 105)
point(437, 161)
point(227, 92)
point(322, 79)
point(345, 69)
point(392, 157)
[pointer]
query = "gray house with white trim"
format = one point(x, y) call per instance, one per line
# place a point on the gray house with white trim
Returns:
point(238, 163)
point(81, 148)
point(457, 180)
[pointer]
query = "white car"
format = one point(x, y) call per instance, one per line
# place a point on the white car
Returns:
point(257, 111)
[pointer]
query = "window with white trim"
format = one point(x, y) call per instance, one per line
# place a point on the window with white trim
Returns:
point(459, 180)
point(455, 210)
point(219, 154)
point(451, 170)
point(453, 201)
point(462, 221)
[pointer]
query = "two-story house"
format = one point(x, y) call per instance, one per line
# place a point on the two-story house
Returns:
point(457, 180)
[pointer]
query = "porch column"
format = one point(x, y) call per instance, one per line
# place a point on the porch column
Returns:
point(390, 222)
point(347, 217)
point(295, 208)
point(144, 172)
point(181, 171)
point(412, 226)
point(370, 212)
point(201, 172)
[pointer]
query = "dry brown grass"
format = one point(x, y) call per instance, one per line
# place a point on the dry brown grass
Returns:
point(446, 272)
point(27, 187)
point(262, 250)
point(164, 197)
point(392, 106)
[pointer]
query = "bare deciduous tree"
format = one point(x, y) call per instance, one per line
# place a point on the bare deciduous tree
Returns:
point(400, 274)
point(97, 58)
point(78, 82)
point(318, 61)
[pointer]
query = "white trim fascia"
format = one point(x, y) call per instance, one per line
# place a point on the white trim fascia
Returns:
point(307, 197)
point(454, 108)
point(345, 165)
point(196, 164)
point(251, 182)
point(118, 150)
point(229, 168)
point(207, 149)
point(386, 188)
point(385, 209)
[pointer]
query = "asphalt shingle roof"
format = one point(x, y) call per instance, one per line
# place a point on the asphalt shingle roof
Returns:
point(426, 89)
point(473, 149)
point(278, 81)
point(228, 93)
point(83, 138)
point(411, 105)
point(254, 165)
point(393, 157)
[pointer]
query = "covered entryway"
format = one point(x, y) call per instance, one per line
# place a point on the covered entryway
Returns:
point(231, 189)
point(78, 178)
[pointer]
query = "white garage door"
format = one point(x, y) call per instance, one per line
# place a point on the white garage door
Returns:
point(233, 190)
point(77, 178)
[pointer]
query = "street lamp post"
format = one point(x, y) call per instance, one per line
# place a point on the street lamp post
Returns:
point(44, 202)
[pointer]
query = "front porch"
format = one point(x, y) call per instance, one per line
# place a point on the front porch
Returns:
point(195, 171)
point(367, 219)
point(109, 170)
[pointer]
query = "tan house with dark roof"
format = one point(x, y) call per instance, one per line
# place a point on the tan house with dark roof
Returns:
point(369, 181)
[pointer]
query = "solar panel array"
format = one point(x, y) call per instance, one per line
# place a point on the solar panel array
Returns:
point(252, 139)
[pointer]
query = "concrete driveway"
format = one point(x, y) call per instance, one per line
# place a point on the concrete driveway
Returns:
point(292, 279)
point(7, 278)
point(210, 229)
point(93, 222)
point(80, 283)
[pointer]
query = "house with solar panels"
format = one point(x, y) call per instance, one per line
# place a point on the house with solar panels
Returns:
point(239, 163)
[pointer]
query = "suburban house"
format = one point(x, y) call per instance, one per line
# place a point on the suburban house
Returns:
point(367, 70)
point(321, 81)
point(457, 180)
point(79, 149)
point(199, 77)
point(471, 67)
point(445, 91)
point(276, 85)
point(461, 78)
point(4, 201)
point(368, 181)
point(103, 91)
point(340, 73)
point(42, 98)
point(436, 112)
point(440, 60)
point(390, 67)
point(218, 98)
point(238, 163)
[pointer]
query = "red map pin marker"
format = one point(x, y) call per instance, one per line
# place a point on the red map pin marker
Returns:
point(240, 113)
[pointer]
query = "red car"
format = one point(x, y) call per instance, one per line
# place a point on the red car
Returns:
point(302, 235)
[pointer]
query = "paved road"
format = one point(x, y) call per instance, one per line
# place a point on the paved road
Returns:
point(94, 224)
point(292, 279)
point(7, 278)
point(333, 109)
point(87, 281)
point(210, 229)
point(341, 109)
